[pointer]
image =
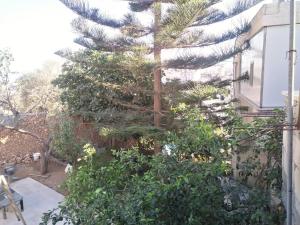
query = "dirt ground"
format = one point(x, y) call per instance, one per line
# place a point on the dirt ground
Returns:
point(53, 179)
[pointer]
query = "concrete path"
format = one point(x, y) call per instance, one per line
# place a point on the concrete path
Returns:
point(38, 199)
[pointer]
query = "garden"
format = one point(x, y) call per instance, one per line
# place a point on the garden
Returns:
point(143, 148)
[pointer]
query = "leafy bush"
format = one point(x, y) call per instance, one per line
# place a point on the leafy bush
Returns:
point(260, 137)
point(174, 189)
point(198, 138)
point(108, 96)
point(204, 92)
point(140, 190)
point(143, 136)
point(65, 143)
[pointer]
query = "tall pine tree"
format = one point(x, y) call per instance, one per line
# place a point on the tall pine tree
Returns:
point(181, 26)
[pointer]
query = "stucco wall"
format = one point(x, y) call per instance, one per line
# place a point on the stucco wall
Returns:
point(274, 20)
point(276, 65)
point(254, 56)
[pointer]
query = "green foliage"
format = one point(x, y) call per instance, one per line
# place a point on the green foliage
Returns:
point(194, 93)
point(198, 138)
point(260, 139)
point(142, 136)
point(172, 189)
point(175, 28)
point(136, 189)
point(135, 132)
point(65, 143)
point(111, 89)
point(204, 92)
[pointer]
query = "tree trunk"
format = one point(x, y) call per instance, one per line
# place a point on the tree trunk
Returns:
point(44, 160)
point(157, 71)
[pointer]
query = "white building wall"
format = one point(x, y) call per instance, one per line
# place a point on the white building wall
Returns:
point(254, 55)
point(276, 65)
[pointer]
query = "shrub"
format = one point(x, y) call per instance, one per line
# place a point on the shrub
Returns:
point(198, 138)
point(135, 189)
point(65, 143)
point(171, 189)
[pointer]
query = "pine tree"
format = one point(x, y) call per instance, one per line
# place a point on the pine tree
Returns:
point(180, 27)
point(93, 84)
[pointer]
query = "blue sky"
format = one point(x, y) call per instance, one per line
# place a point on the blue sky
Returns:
point(34, 29)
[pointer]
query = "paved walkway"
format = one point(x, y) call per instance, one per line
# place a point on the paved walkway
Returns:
point(38, 199)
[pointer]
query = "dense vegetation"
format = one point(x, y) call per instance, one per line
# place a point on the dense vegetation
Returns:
point(189, 184)
point(182, 25)
point(135, 189)
point(110, 89)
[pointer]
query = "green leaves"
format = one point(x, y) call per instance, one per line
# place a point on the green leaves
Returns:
point(65, 143)
point(198, 139)
point(107, 88)
point(260, 142)
point(134, 189)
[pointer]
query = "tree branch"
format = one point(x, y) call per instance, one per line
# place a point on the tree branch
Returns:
point(25, 132)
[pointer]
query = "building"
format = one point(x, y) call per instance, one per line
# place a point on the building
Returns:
point(265, 62)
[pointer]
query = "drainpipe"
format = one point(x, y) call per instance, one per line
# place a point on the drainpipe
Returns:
point(290, 108)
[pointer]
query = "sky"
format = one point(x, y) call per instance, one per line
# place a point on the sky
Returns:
point(34, 30)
